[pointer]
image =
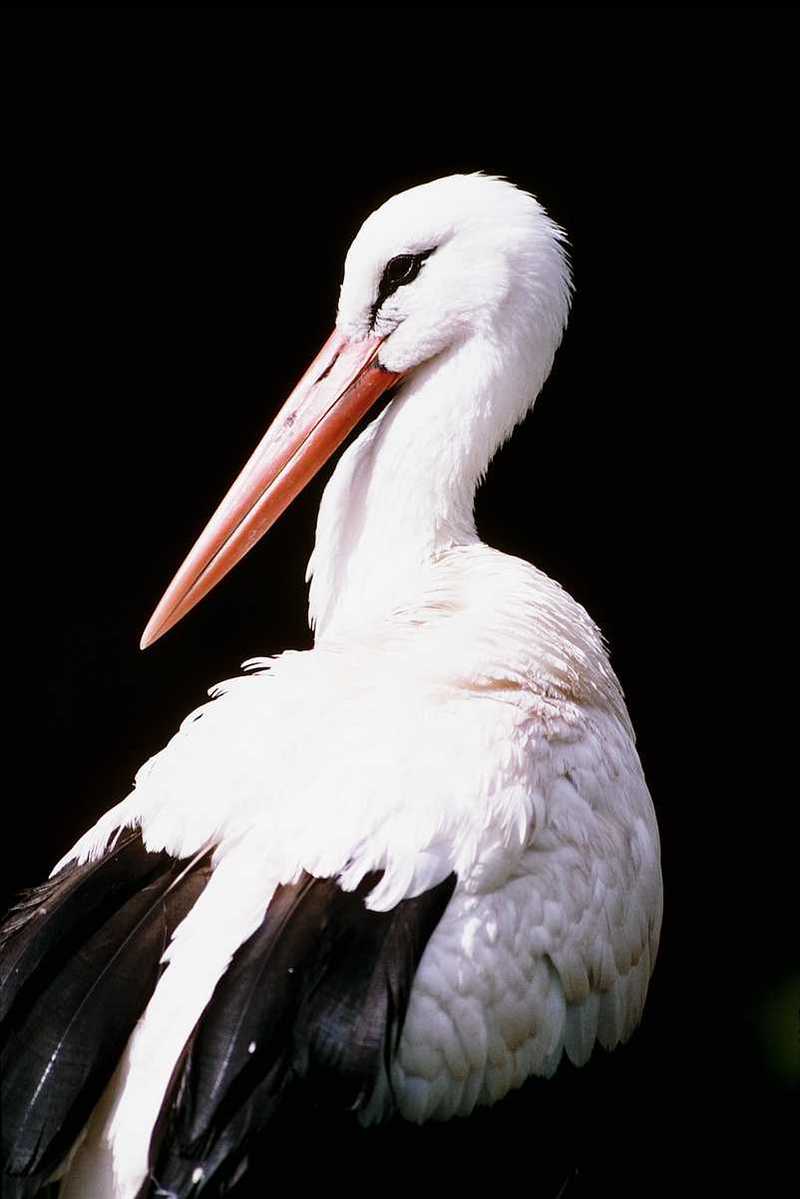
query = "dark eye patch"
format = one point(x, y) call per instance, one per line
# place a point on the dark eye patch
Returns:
point(399, 271)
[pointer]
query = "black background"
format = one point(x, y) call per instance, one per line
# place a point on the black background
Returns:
point(184, 185)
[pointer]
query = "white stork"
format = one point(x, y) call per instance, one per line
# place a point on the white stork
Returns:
point(404, 870)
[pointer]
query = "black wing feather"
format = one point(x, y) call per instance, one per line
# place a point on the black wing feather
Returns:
point(76, 995)
point(350, 1024)
point(317, 995)
point(221, 1087)
point(48, 924)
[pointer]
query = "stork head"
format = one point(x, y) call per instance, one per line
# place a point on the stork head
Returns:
point(430, 268)
point(460, 255)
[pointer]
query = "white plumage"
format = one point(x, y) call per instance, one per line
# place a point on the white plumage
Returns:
point(458, 713)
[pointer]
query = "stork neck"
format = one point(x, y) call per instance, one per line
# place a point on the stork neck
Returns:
point(405, 489)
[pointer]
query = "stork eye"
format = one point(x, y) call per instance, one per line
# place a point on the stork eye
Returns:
point(399, 271)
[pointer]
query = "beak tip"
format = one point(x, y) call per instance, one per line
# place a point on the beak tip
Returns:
point(150, 635)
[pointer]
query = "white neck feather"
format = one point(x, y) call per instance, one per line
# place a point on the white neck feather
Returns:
point(405, 489)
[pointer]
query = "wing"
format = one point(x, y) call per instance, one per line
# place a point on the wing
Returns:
point(317, 995)
point(552, 959)
point(602, 858)
point(80, 958)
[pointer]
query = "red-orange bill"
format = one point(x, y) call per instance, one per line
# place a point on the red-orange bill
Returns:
point(339, 387)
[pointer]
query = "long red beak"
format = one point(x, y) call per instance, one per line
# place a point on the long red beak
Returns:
point(339, 387)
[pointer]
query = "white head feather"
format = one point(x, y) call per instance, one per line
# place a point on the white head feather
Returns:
point(498, 261)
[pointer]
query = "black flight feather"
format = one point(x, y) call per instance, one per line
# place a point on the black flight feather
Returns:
point(349, 1026)
point(51, 921)
point(78, 994)
point(317, 995)
point(221, 1088)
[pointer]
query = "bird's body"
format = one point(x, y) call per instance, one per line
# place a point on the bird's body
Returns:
point(456, 731)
